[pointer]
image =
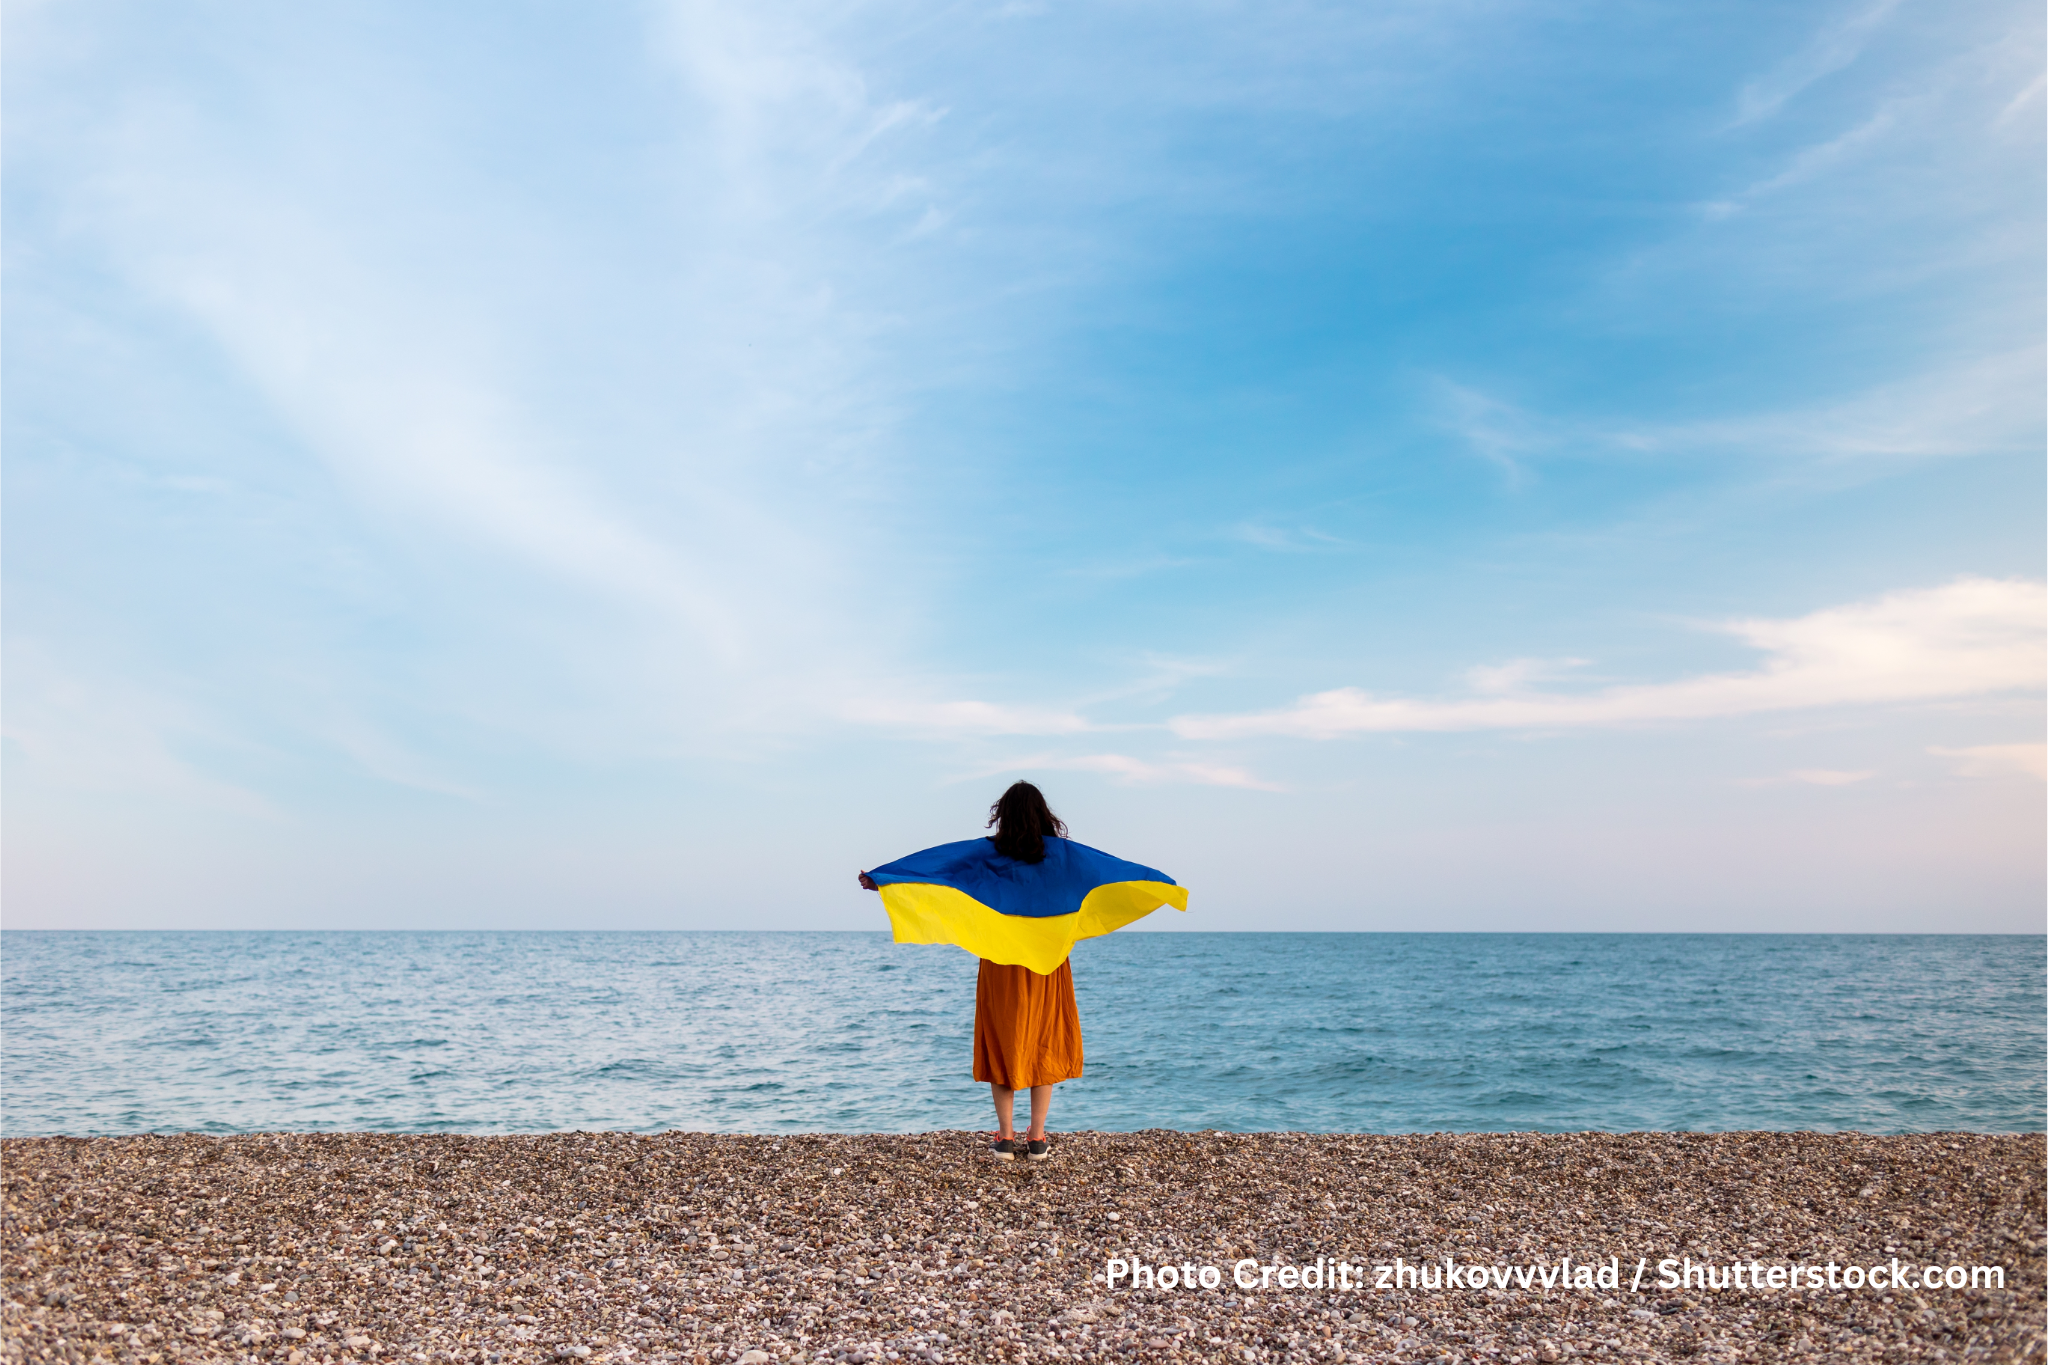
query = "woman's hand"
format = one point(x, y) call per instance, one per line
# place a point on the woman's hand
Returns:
point(867, 883)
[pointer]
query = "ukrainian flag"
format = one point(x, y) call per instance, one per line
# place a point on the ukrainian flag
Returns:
point(1019, 914)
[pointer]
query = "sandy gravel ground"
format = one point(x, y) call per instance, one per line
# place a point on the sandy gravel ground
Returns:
point(686, 1247)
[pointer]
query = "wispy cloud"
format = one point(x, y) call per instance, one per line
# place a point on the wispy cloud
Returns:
point(1157, 678)
point(1971, 407)
point(384, 757)
point(1836, 46)
point(1831, 777)
point(802, 387)
point(1516, 675)
point(1973, 637)
point(390, 405)
point(1110, 570)
point(1161, 675)
point(1288, 539)
point(1998, 760)
point(1501, 433)
point(1977, 406)
point(2031, 94)
point(698, 509)
point(89, 732)
point(1143, 772)
point(1814, 777)
point(964, 718)
point(1812, 161)
point(1982, 404)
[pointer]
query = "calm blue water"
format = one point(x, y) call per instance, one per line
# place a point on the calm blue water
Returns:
point(228, 1032)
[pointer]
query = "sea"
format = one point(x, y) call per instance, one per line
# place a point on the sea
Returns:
point(119, 1033)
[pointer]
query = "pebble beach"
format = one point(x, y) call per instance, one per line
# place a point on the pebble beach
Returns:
point(686, 1247)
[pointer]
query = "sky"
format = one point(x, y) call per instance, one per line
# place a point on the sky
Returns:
point(1443, 465)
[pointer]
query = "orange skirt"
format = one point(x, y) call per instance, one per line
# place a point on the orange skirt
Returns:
point(1027, 1029)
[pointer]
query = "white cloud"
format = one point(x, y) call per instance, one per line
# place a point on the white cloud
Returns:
point(1999, 760)
point(1515, 675)
point(1830, 777)
point(1972, 637)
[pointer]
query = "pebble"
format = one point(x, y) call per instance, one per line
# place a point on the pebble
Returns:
point(458, 1250)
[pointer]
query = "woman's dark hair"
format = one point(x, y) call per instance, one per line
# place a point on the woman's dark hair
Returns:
point(1022, 822)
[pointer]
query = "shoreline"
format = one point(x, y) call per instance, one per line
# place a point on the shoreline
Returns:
point(704, 1247)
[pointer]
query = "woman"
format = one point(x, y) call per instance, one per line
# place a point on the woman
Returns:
point(1019, 900)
